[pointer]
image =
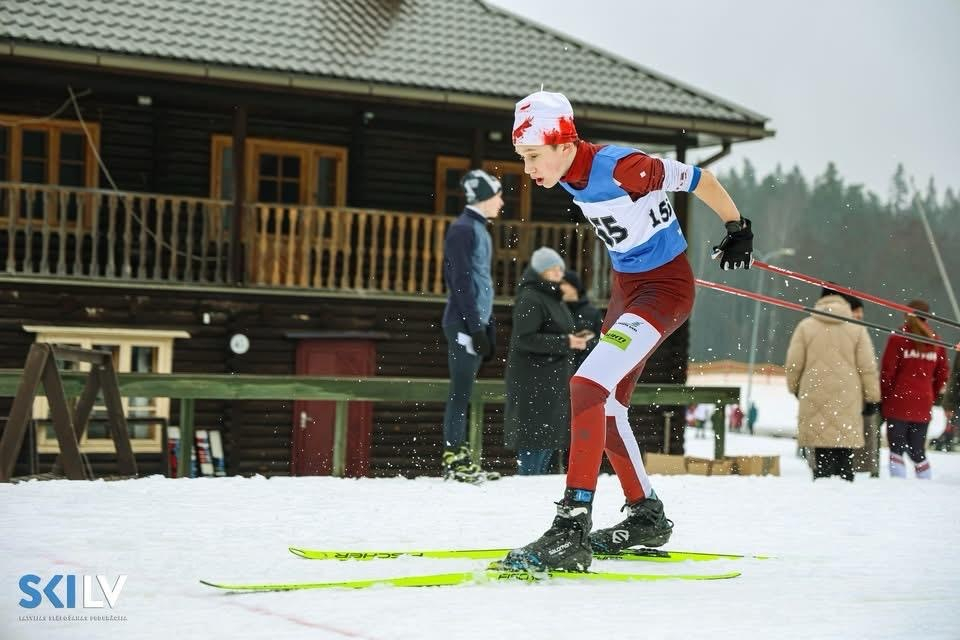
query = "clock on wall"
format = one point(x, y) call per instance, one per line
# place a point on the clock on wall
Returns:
point(239, 343)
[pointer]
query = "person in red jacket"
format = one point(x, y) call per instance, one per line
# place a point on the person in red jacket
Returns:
point(912, 374)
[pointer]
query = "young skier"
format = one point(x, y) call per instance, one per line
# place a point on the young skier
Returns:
point(623, 194)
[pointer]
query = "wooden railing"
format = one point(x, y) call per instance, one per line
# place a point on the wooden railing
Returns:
point(53, 231)
point(60, 232)
point(191, 387)
point(386, 251)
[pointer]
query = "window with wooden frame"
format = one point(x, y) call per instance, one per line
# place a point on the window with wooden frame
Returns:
point(281, 172)
point(134, 350)
point(516, 186)
point(47, 152)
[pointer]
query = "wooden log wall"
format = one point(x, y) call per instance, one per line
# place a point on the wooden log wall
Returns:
point(257, 434)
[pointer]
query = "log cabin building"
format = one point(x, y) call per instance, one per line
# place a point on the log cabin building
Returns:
point(173, 175)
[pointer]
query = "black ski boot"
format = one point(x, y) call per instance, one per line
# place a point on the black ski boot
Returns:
point(644, 526)
point(566, 544)
point(458, 465)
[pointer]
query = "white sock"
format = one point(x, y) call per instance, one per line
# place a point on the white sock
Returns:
point(897, 468)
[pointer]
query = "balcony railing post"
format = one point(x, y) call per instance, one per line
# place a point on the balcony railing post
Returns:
point(28, 232)
point(78, 238)
point(111, 268)
point(126, 270)
point(45, 236)
point(13, 196)
point(190, 209)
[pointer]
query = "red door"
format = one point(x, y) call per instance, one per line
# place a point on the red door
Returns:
point(313, 420)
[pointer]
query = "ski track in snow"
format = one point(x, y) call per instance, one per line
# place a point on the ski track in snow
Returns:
point(876, 559)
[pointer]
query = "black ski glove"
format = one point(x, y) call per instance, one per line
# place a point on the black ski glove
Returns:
point(481, 344)
point(871, 408)
point(735, 251)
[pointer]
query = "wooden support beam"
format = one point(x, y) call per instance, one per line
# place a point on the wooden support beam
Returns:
point(184, 466)
point(340, 439)
point(81, 414)
point(62, 422)
point(78, 354)
point(681, 199)
point(84, 408)
point(21, 409)
point(236, 254)
point(69, 423)
point(110, 386)
point(475, 438)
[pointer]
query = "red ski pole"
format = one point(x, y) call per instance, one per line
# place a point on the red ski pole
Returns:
point(853, 292)
point(796, 306)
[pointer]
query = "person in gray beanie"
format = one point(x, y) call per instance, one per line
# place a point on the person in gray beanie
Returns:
point(545, 258)
point(468, 321)
point(537, 410)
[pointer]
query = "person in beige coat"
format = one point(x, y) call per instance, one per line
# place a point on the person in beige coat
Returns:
point(832, 370)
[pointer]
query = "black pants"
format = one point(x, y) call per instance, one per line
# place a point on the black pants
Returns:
point(909, 438)
point(463, 371)
point(833, 461)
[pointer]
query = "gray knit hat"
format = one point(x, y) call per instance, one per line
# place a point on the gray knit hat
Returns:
point(544, 258)
point(478, 185)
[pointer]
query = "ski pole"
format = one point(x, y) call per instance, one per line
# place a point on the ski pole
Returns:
point(796, 306)
point(853, 292)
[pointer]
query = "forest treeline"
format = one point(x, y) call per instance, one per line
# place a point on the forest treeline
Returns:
point(838, 232)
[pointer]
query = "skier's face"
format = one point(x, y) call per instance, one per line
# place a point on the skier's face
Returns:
point(546, 163)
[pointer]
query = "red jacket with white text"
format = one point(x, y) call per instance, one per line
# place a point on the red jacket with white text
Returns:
point(911, 376)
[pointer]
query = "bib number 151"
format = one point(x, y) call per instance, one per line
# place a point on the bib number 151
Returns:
point(663, 216)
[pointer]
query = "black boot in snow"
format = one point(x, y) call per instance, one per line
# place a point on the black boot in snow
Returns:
point(565, 546)
point(644, 526)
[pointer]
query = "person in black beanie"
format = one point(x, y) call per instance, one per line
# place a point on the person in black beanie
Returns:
point(468, 321)
point(856, 304)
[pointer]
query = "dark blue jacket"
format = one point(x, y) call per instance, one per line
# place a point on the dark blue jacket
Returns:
point(467, 252)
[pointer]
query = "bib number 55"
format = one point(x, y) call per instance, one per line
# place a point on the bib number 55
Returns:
point(608, 230)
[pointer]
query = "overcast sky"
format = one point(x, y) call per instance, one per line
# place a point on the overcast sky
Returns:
point(865, 83)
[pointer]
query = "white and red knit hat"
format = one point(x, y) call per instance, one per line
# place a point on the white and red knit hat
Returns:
point(544, 118)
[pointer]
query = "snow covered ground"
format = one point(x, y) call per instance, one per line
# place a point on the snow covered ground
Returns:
point(875, 559)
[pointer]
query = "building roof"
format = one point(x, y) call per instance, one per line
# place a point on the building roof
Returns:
point(458, 46)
